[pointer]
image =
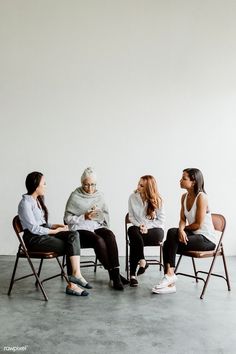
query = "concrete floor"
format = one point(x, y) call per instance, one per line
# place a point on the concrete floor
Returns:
point(111, 322)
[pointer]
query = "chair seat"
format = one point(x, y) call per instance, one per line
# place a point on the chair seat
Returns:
point(23, 252)
point(200, 254)
point(219, 223)
point(154, 243)
point(39, 254)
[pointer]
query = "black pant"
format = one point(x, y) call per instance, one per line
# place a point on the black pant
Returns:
point(138, 241)
point(103, 242)
point(65, 242)
point(172, 245)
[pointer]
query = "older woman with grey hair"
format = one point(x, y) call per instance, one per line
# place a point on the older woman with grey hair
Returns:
point(87, 212)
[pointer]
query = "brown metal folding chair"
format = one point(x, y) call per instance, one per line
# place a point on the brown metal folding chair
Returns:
point(85, 264)
point(219, 223)
point(24, 253)
point(149, 261)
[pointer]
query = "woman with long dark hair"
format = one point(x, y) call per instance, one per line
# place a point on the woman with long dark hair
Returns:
point(147, 216)
point(195, 232)
point(39, 235)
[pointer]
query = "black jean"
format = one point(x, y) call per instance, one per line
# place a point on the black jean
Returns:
point(138, 241)
point(172, 245)
point(103, 242)
point(65, 242)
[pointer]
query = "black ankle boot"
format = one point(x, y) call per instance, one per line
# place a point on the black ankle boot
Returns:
point(110, 274)
point(124, 281)
point(115, 276)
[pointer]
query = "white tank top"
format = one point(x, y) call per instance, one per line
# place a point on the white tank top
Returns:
point(207, 227)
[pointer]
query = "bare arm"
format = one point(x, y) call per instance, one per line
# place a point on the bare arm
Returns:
point(182, 223)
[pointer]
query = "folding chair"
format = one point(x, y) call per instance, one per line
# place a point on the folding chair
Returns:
point(149, 261)
point(219, 223)
point(85, 264)
point(24, 253)
point(95, 264)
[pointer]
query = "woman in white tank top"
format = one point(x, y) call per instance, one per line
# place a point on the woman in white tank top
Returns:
point(195, 232)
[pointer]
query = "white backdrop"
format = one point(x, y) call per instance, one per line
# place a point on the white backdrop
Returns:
point(130, 87)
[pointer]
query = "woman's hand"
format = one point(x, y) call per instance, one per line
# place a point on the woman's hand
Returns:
point(55, 226)
point(61, 228)
point(143, 229)
point(183, 237)
point(89, 215)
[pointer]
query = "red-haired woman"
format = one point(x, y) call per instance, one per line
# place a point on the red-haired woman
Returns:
point(147, 216)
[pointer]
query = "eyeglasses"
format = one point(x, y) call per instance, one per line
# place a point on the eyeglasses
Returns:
point(87, 185)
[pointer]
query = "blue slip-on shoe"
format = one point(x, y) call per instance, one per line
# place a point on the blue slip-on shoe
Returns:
point(78, 281)
point(70, 291)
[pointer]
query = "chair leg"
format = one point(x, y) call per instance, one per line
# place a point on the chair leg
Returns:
point(39, 270)
point(40, 267)
point(208, 277)
point(177, 265)
point(160, 257)
point(13, 274)
point(127, 259)
point(226, 271)
point(95, 264)
point(126, 255)
point(34, 273)
point(195, 270)
point(62, 269)
point(63, 264)
point(37, 278)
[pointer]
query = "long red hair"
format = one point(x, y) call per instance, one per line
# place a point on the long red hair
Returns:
point(151, 195)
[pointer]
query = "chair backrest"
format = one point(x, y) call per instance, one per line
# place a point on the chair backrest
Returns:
point(18, 230)
point(219, 222)
point(127, 220)
point(17, 225)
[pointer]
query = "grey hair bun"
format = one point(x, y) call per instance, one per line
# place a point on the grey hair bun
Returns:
point(88, 172)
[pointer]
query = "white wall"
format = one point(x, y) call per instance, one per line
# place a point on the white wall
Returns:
point(130, 87)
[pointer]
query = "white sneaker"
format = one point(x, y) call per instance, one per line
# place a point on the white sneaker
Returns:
point(166, 281)
point(166, 290)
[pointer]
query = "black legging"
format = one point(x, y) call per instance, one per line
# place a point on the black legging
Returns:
point(65, 242)
point(138, 241)
point(172, 245)
point(103, 242)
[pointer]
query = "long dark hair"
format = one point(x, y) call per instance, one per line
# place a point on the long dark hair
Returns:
point(196, 175)
point(32, 182)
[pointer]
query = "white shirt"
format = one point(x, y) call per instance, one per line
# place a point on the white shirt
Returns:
point(207, 228)
point(138, 213)
point(32, 216)
point(80, 223)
